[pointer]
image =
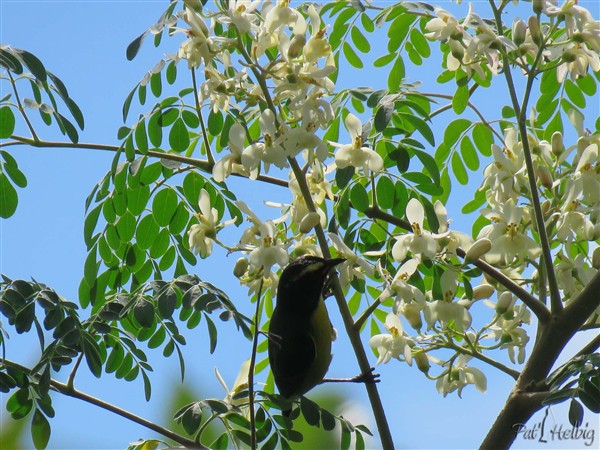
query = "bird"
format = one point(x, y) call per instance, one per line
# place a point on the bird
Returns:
point(300, 331)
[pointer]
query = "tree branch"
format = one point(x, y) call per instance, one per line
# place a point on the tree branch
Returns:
point(354, 334)
point(520, 111)
point(538, 308)
point(201, 164)
point(74, 393)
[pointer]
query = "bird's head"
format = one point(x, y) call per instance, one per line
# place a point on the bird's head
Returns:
point(302, 281)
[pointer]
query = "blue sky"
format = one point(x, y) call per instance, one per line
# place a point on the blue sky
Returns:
point(84, 44)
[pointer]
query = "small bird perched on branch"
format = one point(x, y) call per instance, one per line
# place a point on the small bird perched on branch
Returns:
point(300, 332)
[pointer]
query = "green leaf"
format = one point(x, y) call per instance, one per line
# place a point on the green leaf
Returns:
point(137, 199)
point(143, 311)
point(396, 74)
point(359, 40)
point(310, 411)
point(171, 73)
point(215, 122)
point(34, 64)
point(575, 413)
point(155, 130)
point(7, 122)
point(483, 138)
point(141, 138)
point(8, 197)
point(40, 430)
point(383, 116)
point(359, 197)
point(420, 125)
point(384, 60)
point(420, 43)
point(351, 56)
point(115, 359)
point(147, 232)
point(156, 84)
point(343, 176)
point(179, 138)
point(459, 169)
point(574, 93)
point(164, 206)
point(134, 47)
point(385, 192)
point(469, 154)
point(454, 130)
point(126, 227)
point(167, 301)
point(460, 99)
point(398, 30)
point(430, 164)
point(190, 119)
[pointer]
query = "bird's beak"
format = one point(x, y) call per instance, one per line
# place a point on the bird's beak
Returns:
point(331, 263)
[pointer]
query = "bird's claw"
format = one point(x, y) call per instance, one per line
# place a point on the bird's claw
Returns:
point(367, 377)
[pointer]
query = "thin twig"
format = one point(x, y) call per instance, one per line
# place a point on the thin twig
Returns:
point(251, 368)
point(492, 362)
point(71, 392)
point(209, 156)
point(71, 378)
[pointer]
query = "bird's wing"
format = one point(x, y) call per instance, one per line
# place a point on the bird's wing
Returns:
point(292, 360)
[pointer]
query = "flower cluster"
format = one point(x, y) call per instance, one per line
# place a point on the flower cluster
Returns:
point(475, 46)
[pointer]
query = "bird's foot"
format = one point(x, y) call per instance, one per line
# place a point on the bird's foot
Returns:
point(367, 377)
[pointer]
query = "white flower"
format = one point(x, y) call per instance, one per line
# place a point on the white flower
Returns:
point(354, 266)
point(461, 375)
point(241, 13)
point(201, 235)
point(355, 154)
point(444, 313)
point(232, 163)
point(268, 152)
point(443, 26)
point(271, 251)
point(507, 234)
point(198, 47)
point(393, 344)
point(421, 243)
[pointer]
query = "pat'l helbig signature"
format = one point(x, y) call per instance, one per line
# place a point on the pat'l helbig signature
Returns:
point(546, 432)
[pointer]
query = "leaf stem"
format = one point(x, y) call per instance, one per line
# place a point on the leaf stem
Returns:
point(21, 108)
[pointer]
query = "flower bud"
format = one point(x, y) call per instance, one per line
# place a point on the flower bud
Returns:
point(457, 49)
point(519, 32)
point(596, 258)
point(241, 265)
point(420, 357)
point(538, 6)
point(557, 143)
point(478, 249)
point(309, 221)
point(505, 302)
point(412, 313)
point(569, 56)
point(534, 29)
point(482, 291)
point(296, 45)
point(544, 176)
